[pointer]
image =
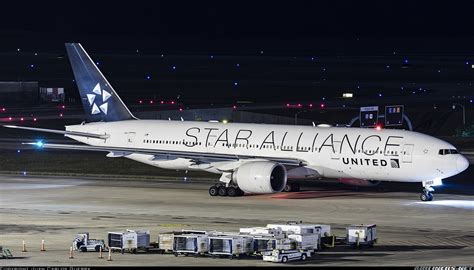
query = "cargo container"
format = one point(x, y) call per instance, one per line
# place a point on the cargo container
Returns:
point(230, 245)
point(186, 244)
point(357, 235)
point(129, 240)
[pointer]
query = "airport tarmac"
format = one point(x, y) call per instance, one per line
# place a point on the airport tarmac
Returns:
point(411, 232)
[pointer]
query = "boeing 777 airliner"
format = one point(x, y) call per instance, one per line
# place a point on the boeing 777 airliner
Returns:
point(252, 158)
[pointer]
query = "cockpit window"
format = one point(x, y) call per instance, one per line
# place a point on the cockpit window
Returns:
point(447, 151)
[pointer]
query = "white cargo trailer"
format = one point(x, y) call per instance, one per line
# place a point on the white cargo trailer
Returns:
point(186, 244)
point(129, 240)
point(275, 232)
point(265, 244)
point(309, 241)
point(165, 242)
point(299, 228)
point(230, 245)
point(358, 235)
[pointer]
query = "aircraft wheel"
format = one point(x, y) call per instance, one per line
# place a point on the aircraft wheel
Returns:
point(213, 191)
point(222, 191)
point(288, 188)
point(426, 196)
point(232, 192)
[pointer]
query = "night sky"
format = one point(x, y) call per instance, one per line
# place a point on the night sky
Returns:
point(46, 23)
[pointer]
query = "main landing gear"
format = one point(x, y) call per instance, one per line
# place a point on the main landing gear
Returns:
point(426, 195)
point(222, 190)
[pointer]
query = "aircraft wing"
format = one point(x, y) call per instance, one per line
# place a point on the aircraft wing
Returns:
point(196, 156)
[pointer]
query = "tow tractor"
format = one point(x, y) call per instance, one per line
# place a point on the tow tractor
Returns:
point(284, 256)
point(83, 243)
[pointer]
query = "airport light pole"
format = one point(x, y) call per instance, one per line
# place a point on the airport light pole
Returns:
point(463, 113)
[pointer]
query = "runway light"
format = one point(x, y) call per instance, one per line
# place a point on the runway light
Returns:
point(64, 106)
point(235, 83)
point(287, 105)
point(380, 94)
point(225, 121)
point(151, 101)
point(172, 102)
point(3, 109)
point(148, 77)
point(378, 127)
point(174, 67)
point(60, 115)
point(299, 104)
point(140, 101)
point(24, 173)
point(237, 65)
point(9, 118)
point(180, 109)
point(22, 119)
point(234, 107)
point(34, 119)
point(18, 151)
point(311, 105)
point(161, 102)
point(322, 105)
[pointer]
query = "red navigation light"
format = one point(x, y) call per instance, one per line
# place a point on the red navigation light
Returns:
point(64, 106)
point(288, 105)
point(162, 102)
point(140, 101)
point(299, 104)
point(311, 105)
point(10, 118)
point(151, 101)
point(378, 127)
point(172, 102)
point(180, 109)
point(3, 109)
point(60, 115)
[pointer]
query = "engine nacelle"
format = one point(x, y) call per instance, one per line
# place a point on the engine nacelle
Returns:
point(358, 182)
point(261, 177)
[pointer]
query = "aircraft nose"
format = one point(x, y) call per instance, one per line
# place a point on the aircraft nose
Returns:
point(462, 163)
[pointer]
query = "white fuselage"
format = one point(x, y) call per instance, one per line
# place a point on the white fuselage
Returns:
point(332, 152)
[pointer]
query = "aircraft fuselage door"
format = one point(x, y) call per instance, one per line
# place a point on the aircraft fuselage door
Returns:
point(407, 153)
point(130, 137)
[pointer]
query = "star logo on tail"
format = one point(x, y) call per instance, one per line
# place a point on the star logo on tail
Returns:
point(94, 99)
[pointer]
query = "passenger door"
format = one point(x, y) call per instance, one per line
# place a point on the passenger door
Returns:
point(407, 153)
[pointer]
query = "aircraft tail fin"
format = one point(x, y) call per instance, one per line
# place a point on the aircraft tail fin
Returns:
point(99, 99)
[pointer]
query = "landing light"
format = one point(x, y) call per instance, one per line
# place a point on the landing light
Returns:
point(40, 144)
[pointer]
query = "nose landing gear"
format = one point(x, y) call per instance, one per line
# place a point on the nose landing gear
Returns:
point(426, 195)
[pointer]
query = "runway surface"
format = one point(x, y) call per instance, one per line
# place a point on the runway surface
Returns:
point(410, 232)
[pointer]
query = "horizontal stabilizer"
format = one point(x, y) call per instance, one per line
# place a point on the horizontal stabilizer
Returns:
point(64, 132)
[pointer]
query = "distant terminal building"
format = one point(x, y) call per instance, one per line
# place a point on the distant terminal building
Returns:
point(19, 93)
point(52, 94)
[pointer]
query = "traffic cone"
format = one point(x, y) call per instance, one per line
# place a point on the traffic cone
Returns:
point(23, 246)
point(71, 253)
point(110, 255)
point(42, 246)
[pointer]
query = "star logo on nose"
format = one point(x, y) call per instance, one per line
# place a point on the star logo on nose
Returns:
point(94, 100)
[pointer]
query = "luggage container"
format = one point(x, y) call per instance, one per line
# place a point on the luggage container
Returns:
point(129, 240)
point(358, 235)
point(186, 244)
point(165, 242)
point(265, 244)
point(230, 245)
point(308, 241)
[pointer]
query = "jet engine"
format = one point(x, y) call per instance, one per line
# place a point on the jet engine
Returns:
point(358, 182)
point(260, 177)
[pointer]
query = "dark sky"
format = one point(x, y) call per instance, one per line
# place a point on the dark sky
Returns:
point(240, 19)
